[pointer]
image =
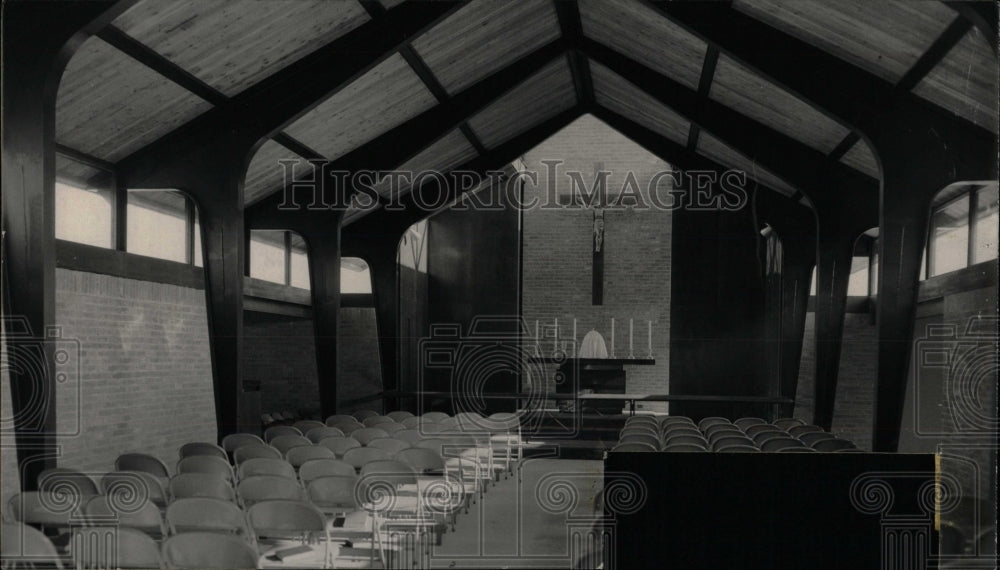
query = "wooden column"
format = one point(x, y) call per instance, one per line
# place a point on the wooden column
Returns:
point(39, 39)
point(324, 278)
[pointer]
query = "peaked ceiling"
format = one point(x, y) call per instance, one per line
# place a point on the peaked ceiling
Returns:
point(164, 63)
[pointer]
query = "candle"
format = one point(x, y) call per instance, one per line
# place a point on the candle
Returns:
point(612, 337)
point(651, 339)
point(630, 338)
point(555, 338)
point(574, 331)
point(537, 340)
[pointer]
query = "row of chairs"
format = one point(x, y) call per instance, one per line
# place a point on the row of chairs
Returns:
point(744, 435)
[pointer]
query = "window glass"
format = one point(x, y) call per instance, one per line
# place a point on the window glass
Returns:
point(812, 283)
point(873, 271)
point(950, 237)
point(857, 285)
point(355, 276)
point(157, 224)
point(987, 222)
point(267, 255)
point(299, 263)
point(197, 240)
point(84, 204)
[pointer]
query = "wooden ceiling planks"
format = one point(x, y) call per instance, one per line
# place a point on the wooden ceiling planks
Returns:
point(446, 153)
point(484, 37)
point(861, 158)
point(616, 94)
point(543, 95)
point(385, 97)
point(233, 44)
point(69, 171)
point(265, 174)
point(637, 31)
point(109, 104)
point(885, 37)
point(725, 155)
point(742, 90)
point(965, 81)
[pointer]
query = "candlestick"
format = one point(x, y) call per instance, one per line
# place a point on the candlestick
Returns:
point(630, 338)
point(555, 338)
point(612, 337)
point(650, 339)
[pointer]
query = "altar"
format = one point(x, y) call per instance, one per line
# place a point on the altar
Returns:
point(596, 376)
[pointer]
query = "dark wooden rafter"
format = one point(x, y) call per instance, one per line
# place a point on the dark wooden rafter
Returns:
point(84, 158)
point(928, 61)
point(795, 162)
point(981, 14)
point(571, 27)
point(266, 107)
point(297, 146)
point(398, 145)
point(419, 66)
point(704, 87)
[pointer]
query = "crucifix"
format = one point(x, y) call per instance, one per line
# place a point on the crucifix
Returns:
point(597, 286)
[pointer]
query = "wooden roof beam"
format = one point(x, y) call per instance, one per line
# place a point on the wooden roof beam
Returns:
point(268, 106)
point(571, 27)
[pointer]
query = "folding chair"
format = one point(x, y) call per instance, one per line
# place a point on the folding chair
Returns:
point(684, 447)
point(642, 420)
point(668, 431)
point(299, 455)
point(142, 462)
point(206, 464)
point(674, 420)
point(809, 438)
point(63, 480)
point(131, 549)
point(139, 483)
point(835, 444)
point(435, 417)
point(349, 427)
point(760, 437)
point(207, 550)
point(639, 438)
point(278, 431)
point(727, 441)
point(317, 468)
point(284, 519)
point(373, 421)
point(255, 451)
point(268, 487)
point(391, 428)
point(317, 435)
point(785, 423)
point(506, 439)
point(365, 435)
point(744, 423)
point(686, 439)
point(780, 443)
point(202, 448)
point(639, 428)
point(411, 422)
point(359, 456)
point(797, 431)
point(737, 448)
point(266, 466)
point(25, 545)
point(339, 418)
point(144, 516)
point(186, 485)
point(410, 436)
point(340, 445)
point(399, 415)
point(712, 421)
point(392, 445)
point(234, 441)
point(362, 415)
point(305, 425)
point(285, 442)
point(46, 510)
point(719, 430)
point(334, 494)
point(758, 428)
point(207, 515)
point(633, 447)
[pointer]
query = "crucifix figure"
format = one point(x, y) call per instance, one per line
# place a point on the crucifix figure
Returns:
point(597, 286)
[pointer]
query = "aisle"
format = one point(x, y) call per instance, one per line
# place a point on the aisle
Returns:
point(525, 525)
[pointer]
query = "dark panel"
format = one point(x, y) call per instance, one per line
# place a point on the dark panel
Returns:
point(82, 257)
point(473, 264)
point(771, 510)
point(717, 341)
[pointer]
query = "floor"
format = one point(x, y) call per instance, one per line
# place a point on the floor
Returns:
point(525, 523)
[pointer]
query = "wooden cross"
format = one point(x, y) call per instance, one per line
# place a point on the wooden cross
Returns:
point(597, 286)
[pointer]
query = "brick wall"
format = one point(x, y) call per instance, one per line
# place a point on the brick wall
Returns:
point(145, 370)
point(281, 355)
point(853, 407)
point(358, 369)
point(558, 245)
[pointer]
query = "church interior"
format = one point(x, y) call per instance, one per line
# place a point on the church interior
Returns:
point(499, 284)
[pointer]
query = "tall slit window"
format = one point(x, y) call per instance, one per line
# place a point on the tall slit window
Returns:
point(355, 277)
point(162, 224)
point(85, 202)
point(279, 257)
